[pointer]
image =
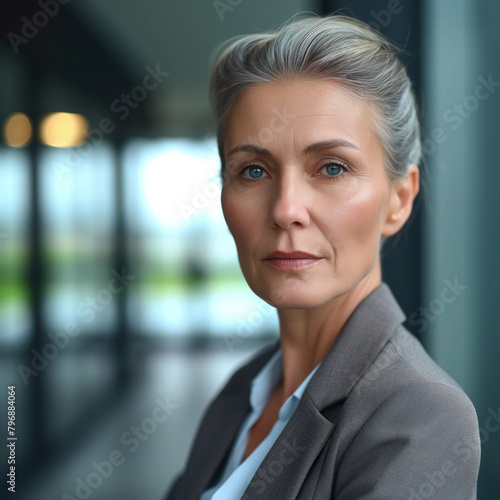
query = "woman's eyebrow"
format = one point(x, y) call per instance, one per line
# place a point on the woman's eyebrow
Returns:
point(250, 148)
point(320, 146)
point(316, 147)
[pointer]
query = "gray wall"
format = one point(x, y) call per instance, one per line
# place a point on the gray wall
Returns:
point(462, 130)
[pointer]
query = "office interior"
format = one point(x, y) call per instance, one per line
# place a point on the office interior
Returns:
point(122, 306)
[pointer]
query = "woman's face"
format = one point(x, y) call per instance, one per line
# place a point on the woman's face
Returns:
point(304, 173)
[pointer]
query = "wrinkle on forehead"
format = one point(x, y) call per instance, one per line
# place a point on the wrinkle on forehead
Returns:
point(327, 113)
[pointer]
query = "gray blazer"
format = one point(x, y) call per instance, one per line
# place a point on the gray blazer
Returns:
point(379, 420)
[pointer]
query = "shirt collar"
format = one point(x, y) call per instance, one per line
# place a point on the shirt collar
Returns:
point(263, 385)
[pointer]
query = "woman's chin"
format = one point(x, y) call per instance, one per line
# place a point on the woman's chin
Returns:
point(292, 291)
point(295, 299)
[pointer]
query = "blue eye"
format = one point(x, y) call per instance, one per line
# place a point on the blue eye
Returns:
point(254, 172)
point(333, 169)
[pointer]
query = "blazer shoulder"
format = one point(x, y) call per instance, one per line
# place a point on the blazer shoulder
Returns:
point(424, 432)
point(403, 372)
point(417, 360)
point(406, 421)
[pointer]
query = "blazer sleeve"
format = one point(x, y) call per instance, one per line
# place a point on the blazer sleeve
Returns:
point(421, 442)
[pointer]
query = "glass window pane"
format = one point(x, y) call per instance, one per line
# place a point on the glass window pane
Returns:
point(15, 321)
point(78, 213)
point(189, 281)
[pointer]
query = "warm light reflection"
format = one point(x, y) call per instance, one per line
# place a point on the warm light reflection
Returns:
point(17, 130)
point(63, 130)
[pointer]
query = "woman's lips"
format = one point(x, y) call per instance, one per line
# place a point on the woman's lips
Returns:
point(291, 261)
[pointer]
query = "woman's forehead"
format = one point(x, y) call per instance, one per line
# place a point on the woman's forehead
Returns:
point(303, 112)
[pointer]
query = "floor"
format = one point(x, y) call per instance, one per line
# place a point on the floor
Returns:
point(140, 446)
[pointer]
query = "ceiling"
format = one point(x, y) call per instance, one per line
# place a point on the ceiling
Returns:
point(179, 36)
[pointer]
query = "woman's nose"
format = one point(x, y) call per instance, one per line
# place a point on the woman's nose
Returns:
point(289, 206)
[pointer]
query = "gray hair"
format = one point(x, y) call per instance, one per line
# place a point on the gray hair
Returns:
point(335, 48)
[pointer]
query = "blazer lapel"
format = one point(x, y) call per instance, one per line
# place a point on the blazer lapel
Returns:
point(219, 437)
point(364, 335)
point(287, 464)
point(219, 428)
point(285, 467)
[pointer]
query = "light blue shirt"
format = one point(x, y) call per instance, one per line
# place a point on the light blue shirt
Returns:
point(237, 474)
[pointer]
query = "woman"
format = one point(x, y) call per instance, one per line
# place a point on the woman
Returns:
point(319, 143)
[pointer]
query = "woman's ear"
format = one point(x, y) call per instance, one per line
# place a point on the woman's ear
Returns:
point(404, 192)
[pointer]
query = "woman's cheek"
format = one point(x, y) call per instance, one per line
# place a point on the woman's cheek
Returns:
point(236, 213)
point(362, 214)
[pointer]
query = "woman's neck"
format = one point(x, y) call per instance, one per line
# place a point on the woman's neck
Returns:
point(307, 335)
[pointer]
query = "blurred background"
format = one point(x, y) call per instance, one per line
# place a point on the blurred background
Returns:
point(122, 307)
